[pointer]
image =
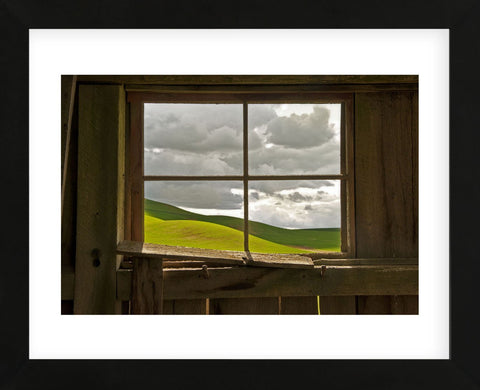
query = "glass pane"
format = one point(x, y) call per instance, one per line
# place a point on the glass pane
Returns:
point(193, 139)
point(291, 139)
point(197, 214)
point(295, 216)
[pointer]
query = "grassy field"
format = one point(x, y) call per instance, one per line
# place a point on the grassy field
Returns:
point(169, 225)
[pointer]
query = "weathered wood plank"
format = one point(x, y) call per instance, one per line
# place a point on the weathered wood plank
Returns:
point(244, 306)
point(69, 133)
point(68, 283)
point(136, 248)
point(373, 261)
point(338, 305)
point(273, 89)
point(68, 86)
point(386, 163)
point(185, 306)
point(99, 203)
point(385, 188)
point(147, 286)
point(298, 305)
point(388, 304)
point(248, 79)
point(250, 282)
point(380, 304)
point(404, 304)
point(135, 197)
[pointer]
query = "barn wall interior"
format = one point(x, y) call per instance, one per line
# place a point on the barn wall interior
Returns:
point(95, 142)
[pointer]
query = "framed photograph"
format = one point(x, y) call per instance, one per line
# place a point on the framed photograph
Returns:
point(192, 131)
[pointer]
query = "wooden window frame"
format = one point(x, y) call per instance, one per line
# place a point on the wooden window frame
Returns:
point(135, 178)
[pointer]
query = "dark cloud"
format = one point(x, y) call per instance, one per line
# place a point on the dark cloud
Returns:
point(179, 136)
point(206, 139)
point(279, 160)
point(171, 162)
point(202, 195)
point(191, 133)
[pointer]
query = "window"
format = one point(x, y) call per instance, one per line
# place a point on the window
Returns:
point(260, 172)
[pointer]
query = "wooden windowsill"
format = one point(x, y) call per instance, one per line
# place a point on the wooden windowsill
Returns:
point(218, 257)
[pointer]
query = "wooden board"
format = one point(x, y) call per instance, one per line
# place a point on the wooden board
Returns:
point(386, 164)
point(99, 205)
point(136, 248)
point(185, 306)
point(244, 306)
point(338, 305)
point(299, 305)
point(249, 79)
point(252, 282)
point(372, 261)
point(147, 286)
point(69, 137)
point(385, 175)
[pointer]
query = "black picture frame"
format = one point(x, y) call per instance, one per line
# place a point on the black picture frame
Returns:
point(17, 371)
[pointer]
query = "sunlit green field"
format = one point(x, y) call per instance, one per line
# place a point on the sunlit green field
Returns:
point(169, 225)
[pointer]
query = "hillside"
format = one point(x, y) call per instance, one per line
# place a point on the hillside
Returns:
point(313, 239)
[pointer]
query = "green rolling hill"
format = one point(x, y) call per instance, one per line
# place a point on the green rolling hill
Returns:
point(170, 225)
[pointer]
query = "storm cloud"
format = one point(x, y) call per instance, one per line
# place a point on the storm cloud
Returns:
point(197, 195)
point(207, 139)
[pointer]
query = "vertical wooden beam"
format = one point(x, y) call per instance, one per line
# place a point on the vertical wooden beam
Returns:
point(99, 198)
point(69, 86)
point(69, 133)
point(135, 172)
point(147, 286)
point(386, 163)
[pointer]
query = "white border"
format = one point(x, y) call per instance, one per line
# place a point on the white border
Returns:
point(56, 52)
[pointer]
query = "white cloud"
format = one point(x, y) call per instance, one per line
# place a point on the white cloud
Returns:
point(294, 204)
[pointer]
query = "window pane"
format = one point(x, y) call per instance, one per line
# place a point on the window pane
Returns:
point(302, 216)
point(193, 139)
point(289, 139)
point(197, 214)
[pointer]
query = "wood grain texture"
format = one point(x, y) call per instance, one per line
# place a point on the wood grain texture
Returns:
point(338, 305)
point(69, 133)
point(386, 164)
point(136, 248)
point(147, 286)
point(134, 181)
point(99, 155)
point(249, 79)
point(274, 89)
point(185, 306)
point(252, 282)
point(244, 306)
point(372, 261)
point(298, 305)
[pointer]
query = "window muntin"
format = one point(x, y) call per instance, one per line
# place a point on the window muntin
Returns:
point(345, 176)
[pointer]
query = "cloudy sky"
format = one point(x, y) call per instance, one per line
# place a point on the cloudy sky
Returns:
point(206, 139)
